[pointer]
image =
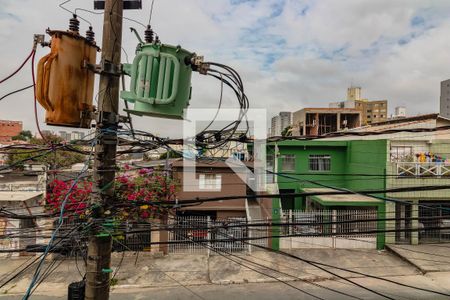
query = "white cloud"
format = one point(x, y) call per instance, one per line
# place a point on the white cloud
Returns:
point(305, 54)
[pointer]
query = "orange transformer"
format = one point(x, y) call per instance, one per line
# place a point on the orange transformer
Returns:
point(65, 85)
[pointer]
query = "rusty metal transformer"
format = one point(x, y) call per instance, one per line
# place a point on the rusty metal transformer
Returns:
point(65, 85)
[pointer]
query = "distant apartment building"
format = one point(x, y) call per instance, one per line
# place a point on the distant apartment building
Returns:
point(320, 121)
point(64, 135)
point(372, 111)
point(399, 112)
point(71, 136)
point(280, 122)
point(77, 135)
point(445, 99)
point(8, 129)
point(275, 126)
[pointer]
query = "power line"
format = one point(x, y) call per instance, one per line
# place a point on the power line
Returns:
point(60, 222)
point(256, 270)
point(321, 265)
point(16, 91)
point(19, 68)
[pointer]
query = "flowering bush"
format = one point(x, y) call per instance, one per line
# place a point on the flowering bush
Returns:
point(77, 199)
point(143, 186)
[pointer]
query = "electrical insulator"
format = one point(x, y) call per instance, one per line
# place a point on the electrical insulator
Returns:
point(90, 35)
point(148, 34)
point(74, 24)
point(160, 80)
point(65, 85)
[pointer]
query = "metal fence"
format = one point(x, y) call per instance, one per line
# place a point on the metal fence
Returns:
point(329, 228)
point(129, 237)
point(201, 234)
point(336, 222)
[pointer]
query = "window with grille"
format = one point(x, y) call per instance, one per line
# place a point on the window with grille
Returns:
point(402, 153)
point(210, 182)
point(320, 162)
point(288, 162)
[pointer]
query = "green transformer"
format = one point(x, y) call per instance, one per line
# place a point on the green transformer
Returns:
point(160, 81)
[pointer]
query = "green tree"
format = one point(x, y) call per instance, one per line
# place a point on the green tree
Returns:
point(56, 159)
point(24, 135)
point(171, 153)
point(287, 131)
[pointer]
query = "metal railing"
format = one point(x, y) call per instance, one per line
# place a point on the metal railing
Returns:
point(22, 187)
point(341, 222)
point(422, 169)
point(203, 235)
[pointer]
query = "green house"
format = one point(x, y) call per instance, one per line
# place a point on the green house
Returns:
point(319, 166)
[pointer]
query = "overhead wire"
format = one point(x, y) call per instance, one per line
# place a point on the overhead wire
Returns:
point(16, 91)
point(19, 68)
point(322, 265)
point(256, 270)
point(60, 222)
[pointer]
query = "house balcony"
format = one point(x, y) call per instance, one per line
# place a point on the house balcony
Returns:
point(413, 174)
point(422, 169)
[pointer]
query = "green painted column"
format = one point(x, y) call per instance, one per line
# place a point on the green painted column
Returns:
point(381, 226)
point(299, 201)
point(390, 225)
point(414, 223)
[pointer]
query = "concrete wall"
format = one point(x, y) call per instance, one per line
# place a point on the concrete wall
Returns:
point(327, 242)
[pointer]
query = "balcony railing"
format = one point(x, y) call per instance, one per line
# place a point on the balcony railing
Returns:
point(425, 169)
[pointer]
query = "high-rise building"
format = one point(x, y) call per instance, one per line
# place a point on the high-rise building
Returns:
point(280, 122)
point(445, 99)
point(372, 111)
point(285, 119)
point(353, 93)
point(275, 126)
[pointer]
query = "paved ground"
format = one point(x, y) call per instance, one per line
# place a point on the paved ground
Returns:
point(269, 291)
point(148, 277)
point(426, 257)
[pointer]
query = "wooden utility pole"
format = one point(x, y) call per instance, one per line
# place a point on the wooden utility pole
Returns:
point(99, 249)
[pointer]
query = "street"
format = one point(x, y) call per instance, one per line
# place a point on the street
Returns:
point(269, 291)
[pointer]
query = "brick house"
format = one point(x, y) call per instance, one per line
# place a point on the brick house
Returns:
point(8, 129)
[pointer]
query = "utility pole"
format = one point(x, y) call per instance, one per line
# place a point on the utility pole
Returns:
point(99, 249)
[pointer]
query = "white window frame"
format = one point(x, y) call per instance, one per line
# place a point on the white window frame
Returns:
point(210, 182)
point(288, 156)
point(322, 162)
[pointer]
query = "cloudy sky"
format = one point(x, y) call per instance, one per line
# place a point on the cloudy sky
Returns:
point(291, 54)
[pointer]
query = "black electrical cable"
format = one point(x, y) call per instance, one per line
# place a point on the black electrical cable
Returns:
point(19, 68)
point(256, 270)
point(335, 191)
point(16, 91)
point(346, 279)
point(37, 258)
point(280, 272)
point(321, 265)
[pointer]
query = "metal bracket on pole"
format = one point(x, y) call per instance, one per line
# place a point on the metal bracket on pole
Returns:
point(105, 118)
point(105, 67)
point(39, 39)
